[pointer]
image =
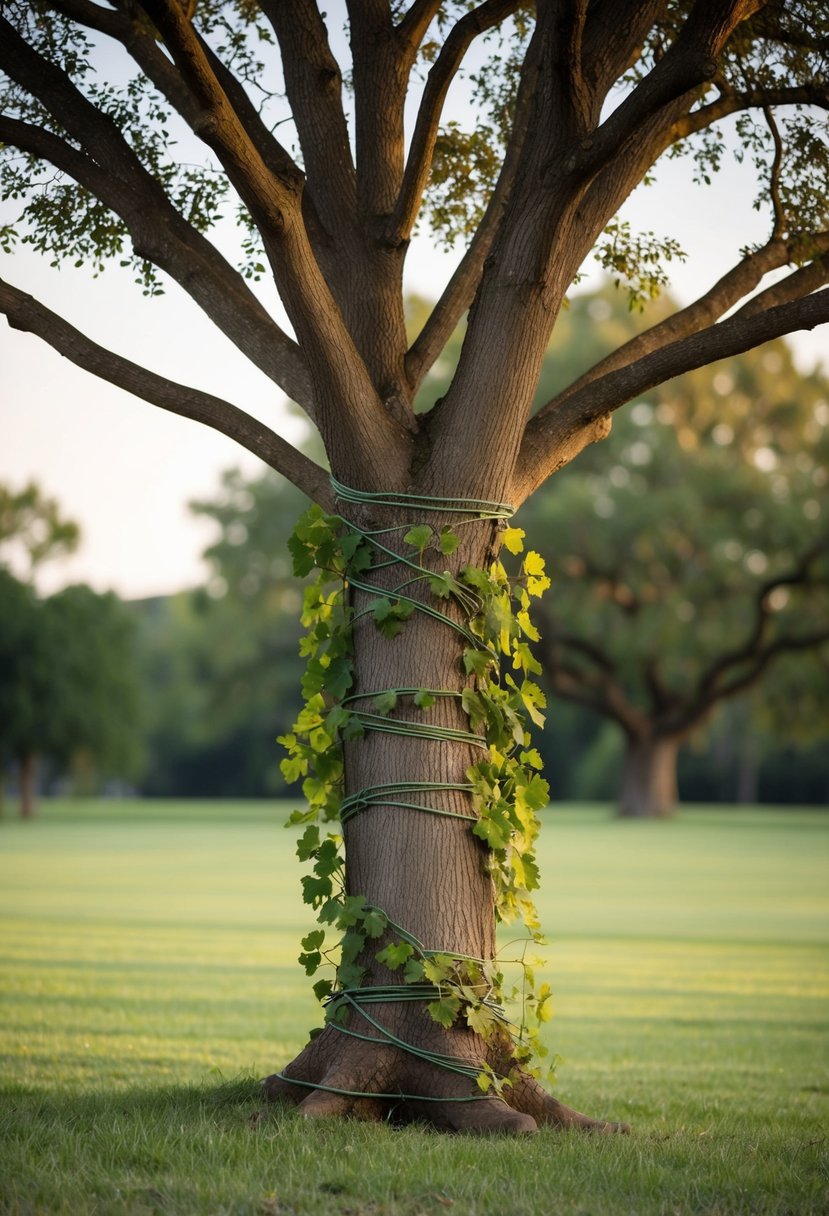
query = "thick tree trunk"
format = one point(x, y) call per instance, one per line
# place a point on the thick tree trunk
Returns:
point(428, 873)
point(28, 785)
point(649, 785)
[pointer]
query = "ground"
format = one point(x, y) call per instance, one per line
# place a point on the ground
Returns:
point(148, 983)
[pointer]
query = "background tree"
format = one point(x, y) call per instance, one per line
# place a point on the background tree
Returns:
point(577, 103)
point(69, 685)
point(221, 662)
point(32, 529)
point(692, 557)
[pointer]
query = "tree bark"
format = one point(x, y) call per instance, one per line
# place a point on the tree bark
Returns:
point(28, 785)
point(428, 873)
point(649, 784)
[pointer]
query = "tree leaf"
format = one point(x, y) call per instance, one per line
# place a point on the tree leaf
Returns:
point(513, 539)
point(419, 536)
point(445, 1011)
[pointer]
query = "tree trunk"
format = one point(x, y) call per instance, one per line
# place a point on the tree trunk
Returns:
point(28, 785)
point(649, 785)
point(428, 873)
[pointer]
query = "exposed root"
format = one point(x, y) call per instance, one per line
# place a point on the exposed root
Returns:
point(528, 1096)
point(350, 1072)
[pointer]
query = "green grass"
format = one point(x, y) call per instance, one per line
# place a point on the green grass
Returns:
point(147, 966)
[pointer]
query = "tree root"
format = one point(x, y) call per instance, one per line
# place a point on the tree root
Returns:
point(338, 1077)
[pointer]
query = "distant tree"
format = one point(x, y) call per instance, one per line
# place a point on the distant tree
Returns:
point(693, 558)
point(69, 683)
point(221, 662)
point(32, 529)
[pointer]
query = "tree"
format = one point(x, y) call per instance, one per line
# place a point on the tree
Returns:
point(31, 528)
point(220, 662)
point(577, 102)
point(693, 558)
point(69, 684)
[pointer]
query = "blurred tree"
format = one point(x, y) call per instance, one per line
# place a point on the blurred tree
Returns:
point(692, 557)
point(221, 662)
point(69, 684)
point(32, 529)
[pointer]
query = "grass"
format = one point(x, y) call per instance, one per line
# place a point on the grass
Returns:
point(147, 981)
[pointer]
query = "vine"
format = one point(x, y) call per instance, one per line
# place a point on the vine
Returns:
point(505, 786)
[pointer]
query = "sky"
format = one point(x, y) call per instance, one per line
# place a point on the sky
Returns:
point(126, 471)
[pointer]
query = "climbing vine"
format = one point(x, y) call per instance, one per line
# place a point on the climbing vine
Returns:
point(505, 786)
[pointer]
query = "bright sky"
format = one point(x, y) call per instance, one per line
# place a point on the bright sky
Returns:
point(126, 471)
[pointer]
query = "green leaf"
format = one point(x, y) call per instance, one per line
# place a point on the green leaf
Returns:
point(380, 609)
point(323, 989)
point(313, 940)
point(438, 968)
point(308, 842)
point(532, 758)
point(423, 699)
point(448, 541)
point(481, 1019)
point(395, 955)
point(418, 537)
point(339, 677)
point(328, 859)
point(445, 1011)
point(413, 971)
point(385, 702)
point(315, 890)
point(375, 922)
point(310, 961)
point(476, 661)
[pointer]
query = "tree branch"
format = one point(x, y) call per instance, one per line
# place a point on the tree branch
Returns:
point(271, 197)
point(419, 160)
point(414, 24)
point(313, 83)
point(755, 652)
point(29, 315)
point(552, 431)
point(689, 62)
point(164, 237)
point(732, 287)
point(364, 441)
point(110, 169)
point(812, 94)
point(460, 291)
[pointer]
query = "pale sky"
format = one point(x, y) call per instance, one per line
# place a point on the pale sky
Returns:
point(126, 471)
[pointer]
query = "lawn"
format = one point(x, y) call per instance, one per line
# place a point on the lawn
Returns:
point(147, 981)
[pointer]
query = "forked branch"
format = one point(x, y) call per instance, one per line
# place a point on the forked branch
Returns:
point(729, 290)
point(419, 160)
point(552, 428)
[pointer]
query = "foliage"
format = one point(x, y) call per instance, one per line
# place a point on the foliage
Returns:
point(32, 528)
point(507, 791)
point(69, 680)
point(701, 534)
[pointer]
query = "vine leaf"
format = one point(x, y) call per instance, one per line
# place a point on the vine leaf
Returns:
point(513, 539)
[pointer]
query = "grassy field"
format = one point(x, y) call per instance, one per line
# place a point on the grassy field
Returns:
point(147, 981)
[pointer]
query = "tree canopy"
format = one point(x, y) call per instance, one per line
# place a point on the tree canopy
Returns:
point(131, 130)
point(691, 558)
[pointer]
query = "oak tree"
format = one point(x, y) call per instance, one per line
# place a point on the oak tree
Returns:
point(691, 552)
point(306, 137)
